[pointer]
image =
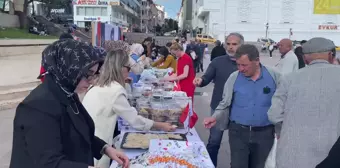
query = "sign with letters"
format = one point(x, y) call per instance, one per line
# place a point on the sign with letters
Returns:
point(92, 18)
point(328, 27)
point(103, 3)
point(86, 2)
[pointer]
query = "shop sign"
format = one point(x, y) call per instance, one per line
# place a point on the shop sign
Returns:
point(57, 10)
point(87, 2)
point(115, 3)
point(328, 27)
point(91, 18)
point(102, 3)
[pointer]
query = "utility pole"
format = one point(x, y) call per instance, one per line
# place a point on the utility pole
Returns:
point(267, 26)
point(290, 33)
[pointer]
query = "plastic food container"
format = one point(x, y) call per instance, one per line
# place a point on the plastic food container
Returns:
point(147, 91)
point(174, 113)
point(143, 108)
point(137, 89)
point(158, 112)
point(168, 86)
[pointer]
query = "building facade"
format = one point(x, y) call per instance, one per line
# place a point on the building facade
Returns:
point(160, 15)
point(295, 19)
point(123, 13)
point(148, 16)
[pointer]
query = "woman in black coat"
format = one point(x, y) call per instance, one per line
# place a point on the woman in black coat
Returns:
point(52, 129)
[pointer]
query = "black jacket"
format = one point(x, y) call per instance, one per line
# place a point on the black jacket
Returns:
point(218, 71)
point(49, 134)
point(333, 158)
point(217, 51)
point(298, 52)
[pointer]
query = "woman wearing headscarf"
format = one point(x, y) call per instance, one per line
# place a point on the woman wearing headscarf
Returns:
point(166, 60)
point(43, 72)
point(135, 52)
point(101, 53)
point(108, 99)
point(137, 67)
point(52, 129)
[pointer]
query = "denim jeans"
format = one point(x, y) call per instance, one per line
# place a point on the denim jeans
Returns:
point(249, 148)
point(214, 142)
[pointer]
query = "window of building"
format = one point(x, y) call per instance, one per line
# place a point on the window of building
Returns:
point(2, 5)
point(81, 11)
point(104, 11)
point(92, 11)
point(89, 11)
point(97, 11)
point(81, 24)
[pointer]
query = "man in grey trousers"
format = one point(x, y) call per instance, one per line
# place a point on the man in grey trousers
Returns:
point(246, 99)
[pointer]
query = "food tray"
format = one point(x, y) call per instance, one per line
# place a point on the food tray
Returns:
point(126, 134)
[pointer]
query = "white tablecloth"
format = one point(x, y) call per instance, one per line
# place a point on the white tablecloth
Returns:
point(131, 153)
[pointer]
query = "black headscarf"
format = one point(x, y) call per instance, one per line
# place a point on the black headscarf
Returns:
point(68, 60)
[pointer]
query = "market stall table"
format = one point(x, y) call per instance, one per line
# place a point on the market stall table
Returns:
point(131, 153)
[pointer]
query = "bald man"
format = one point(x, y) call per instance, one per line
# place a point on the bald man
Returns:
point(288, 62)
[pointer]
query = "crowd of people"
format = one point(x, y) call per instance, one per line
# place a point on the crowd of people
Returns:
point(70, 120)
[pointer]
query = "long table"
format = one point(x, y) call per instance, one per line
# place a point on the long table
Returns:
point(131, 153)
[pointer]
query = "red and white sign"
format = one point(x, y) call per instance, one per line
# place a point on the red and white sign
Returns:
point(86, 2)
point(328, 27)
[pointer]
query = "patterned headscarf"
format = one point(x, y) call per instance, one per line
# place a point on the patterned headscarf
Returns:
point(115, 45)
point(101, 51)
point(137, 49)
point(68, 61)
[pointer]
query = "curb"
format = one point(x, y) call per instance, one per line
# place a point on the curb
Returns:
point(11, 96)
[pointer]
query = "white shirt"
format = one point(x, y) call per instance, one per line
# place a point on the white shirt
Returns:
point(105, 104)
point(288, 64)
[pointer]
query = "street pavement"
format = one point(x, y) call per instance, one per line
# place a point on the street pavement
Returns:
point(201, 106)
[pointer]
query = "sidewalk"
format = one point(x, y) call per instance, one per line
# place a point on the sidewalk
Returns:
point(19, 69)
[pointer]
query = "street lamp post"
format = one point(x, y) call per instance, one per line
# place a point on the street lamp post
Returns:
point(267, 26)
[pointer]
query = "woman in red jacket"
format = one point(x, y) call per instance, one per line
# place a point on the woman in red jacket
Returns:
point(185, 74)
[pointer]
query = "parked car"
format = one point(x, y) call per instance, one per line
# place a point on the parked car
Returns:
point(264, 40)
point(205, 38)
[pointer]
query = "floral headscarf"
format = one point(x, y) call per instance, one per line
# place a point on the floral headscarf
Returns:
point(115, 45)
point(137, 49)
point(68, 61)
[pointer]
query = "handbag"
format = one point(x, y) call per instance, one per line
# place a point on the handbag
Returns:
point(271, 159)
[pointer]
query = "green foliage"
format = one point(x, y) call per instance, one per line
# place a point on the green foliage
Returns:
point(14, 33)
point(170, 25)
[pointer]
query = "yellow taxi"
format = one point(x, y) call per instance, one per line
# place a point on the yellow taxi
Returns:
point(337, 48)
point(205, 38)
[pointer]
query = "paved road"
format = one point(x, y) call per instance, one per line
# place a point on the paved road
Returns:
point(201, 106)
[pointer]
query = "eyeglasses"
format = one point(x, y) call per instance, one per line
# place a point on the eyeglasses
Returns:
point(127, 67)
point(91, 77)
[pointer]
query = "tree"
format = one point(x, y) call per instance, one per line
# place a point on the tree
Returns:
point(22, 15)
point(170, 25)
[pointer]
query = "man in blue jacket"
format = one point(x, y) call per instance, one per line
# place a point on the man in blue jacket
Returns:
point(218, 71)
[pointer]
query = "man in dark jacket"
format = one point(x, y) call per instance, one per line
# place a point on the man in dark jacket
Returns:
point(219, 71)
point(298, 52)
point(217, 51)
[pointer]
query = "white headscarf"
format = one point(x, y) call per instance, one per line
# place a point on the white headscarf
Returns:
point(137, 49)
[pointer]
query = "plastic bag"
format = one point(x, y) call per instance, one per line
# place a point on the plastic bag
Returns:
point(271, 159)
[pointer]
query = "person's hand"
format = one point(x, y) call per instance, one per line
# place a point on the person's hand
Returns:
point(117, 156)
point(209, 122)
point(167, 127)
point(128, 80)
point(143, 57)
point(197, 81)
